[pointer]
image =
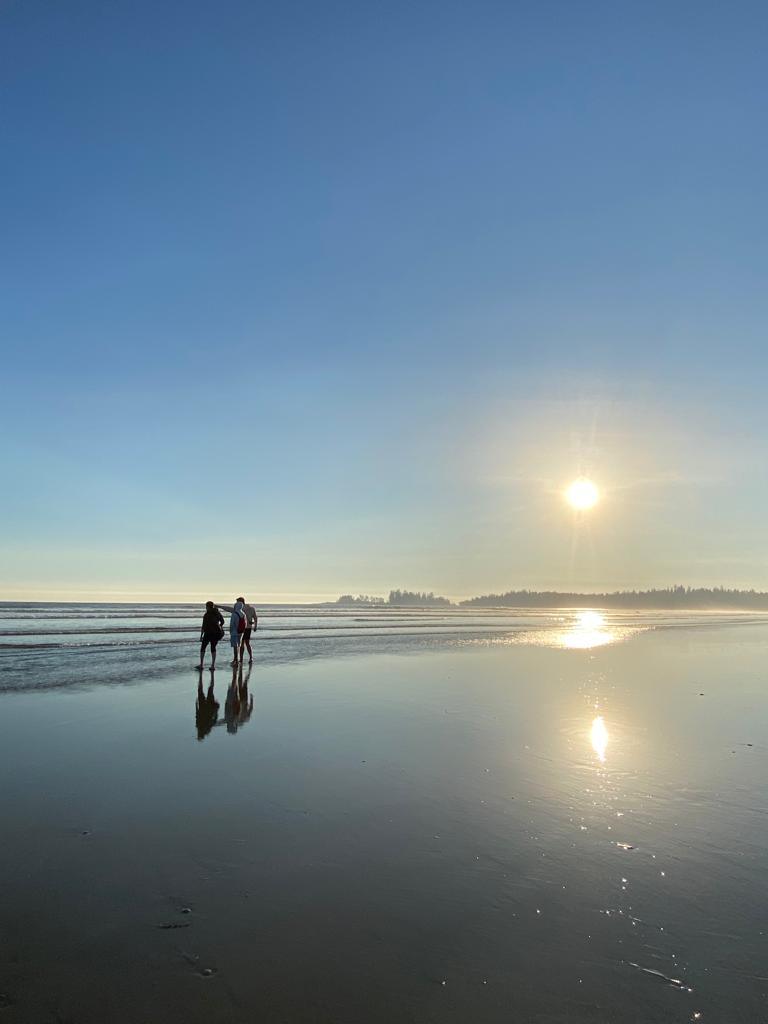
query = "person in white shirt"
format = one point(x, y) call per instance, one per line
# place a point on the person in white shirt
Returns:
point(237, 625)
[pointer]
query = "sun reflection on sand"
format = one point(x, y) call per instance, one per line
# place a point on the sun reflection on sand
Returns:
point(568, 630)
point(589, 630)
point(599, 737)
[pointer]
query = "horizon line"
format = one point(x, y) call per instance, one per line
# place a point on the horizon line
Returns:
point(311, 598)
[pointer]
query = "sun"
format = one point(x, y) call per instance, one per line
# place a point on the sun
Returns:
point(582, 494)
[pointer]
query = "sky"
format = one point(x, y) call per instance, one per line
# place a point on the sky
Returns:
point(305, 299)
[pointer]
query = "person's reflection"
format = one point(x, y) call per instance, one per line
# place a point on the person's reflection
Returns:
point(246, 699)
point(206, 708)
point(238, 706)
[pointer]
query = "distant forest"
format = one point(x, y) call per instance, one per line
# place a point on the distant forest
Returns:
point(409, 597)
point(398, 599)
point(670, 597)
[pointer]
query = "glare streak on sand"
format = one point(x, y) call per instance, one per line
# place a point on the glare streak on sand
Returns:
point(599, 737)
point(676, 982)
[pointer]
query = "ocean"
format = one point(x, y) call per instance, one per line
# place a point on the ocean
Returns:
point(51, 645)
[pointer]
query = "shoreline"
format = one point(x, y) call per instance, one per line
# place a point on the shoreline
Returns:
point(86, 652)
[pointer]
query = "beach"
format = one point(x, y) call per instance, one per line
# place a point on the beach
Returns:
point(519, 816)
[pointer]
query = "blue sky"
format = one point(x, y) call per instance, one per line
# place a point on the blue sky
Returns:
point(300, 299)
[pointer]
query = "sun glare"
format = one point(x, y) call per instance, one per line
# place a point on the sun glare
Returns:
point(599, 737)
point(582, 494)
point(587, 631)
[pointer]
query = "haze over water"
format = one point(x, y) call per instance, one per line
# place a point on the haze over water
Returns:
point(491, 817)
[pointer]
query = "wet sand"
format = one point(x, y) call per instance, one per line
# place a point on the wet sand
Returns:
point(499, 832)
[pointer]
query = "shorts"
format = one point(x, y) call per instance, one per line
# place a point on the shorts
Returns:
point(246, 634)
point(210, 638)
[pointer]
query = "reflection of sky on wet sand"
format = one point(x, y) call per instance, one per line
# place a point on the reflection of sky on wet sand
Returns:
point(578, 809)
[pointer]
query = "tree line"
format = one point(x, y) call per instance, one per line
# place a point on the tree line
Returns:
point(397, 598)
point(659, 597)
point(668, 597)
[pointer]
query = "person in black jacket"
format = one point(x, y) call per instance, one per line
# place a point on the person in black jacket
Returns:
point(211, 631)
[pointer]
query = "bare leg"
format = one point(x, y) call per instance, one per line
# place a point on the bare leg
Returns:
point(202, 655)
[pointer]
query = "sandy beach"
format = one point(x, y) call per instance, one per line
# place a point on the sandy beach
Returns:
point(440, 835)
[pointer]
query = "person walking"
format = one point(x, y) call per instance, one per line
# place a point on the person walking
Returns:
point(251, 623)
point(211, 631)
point(236, 626)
